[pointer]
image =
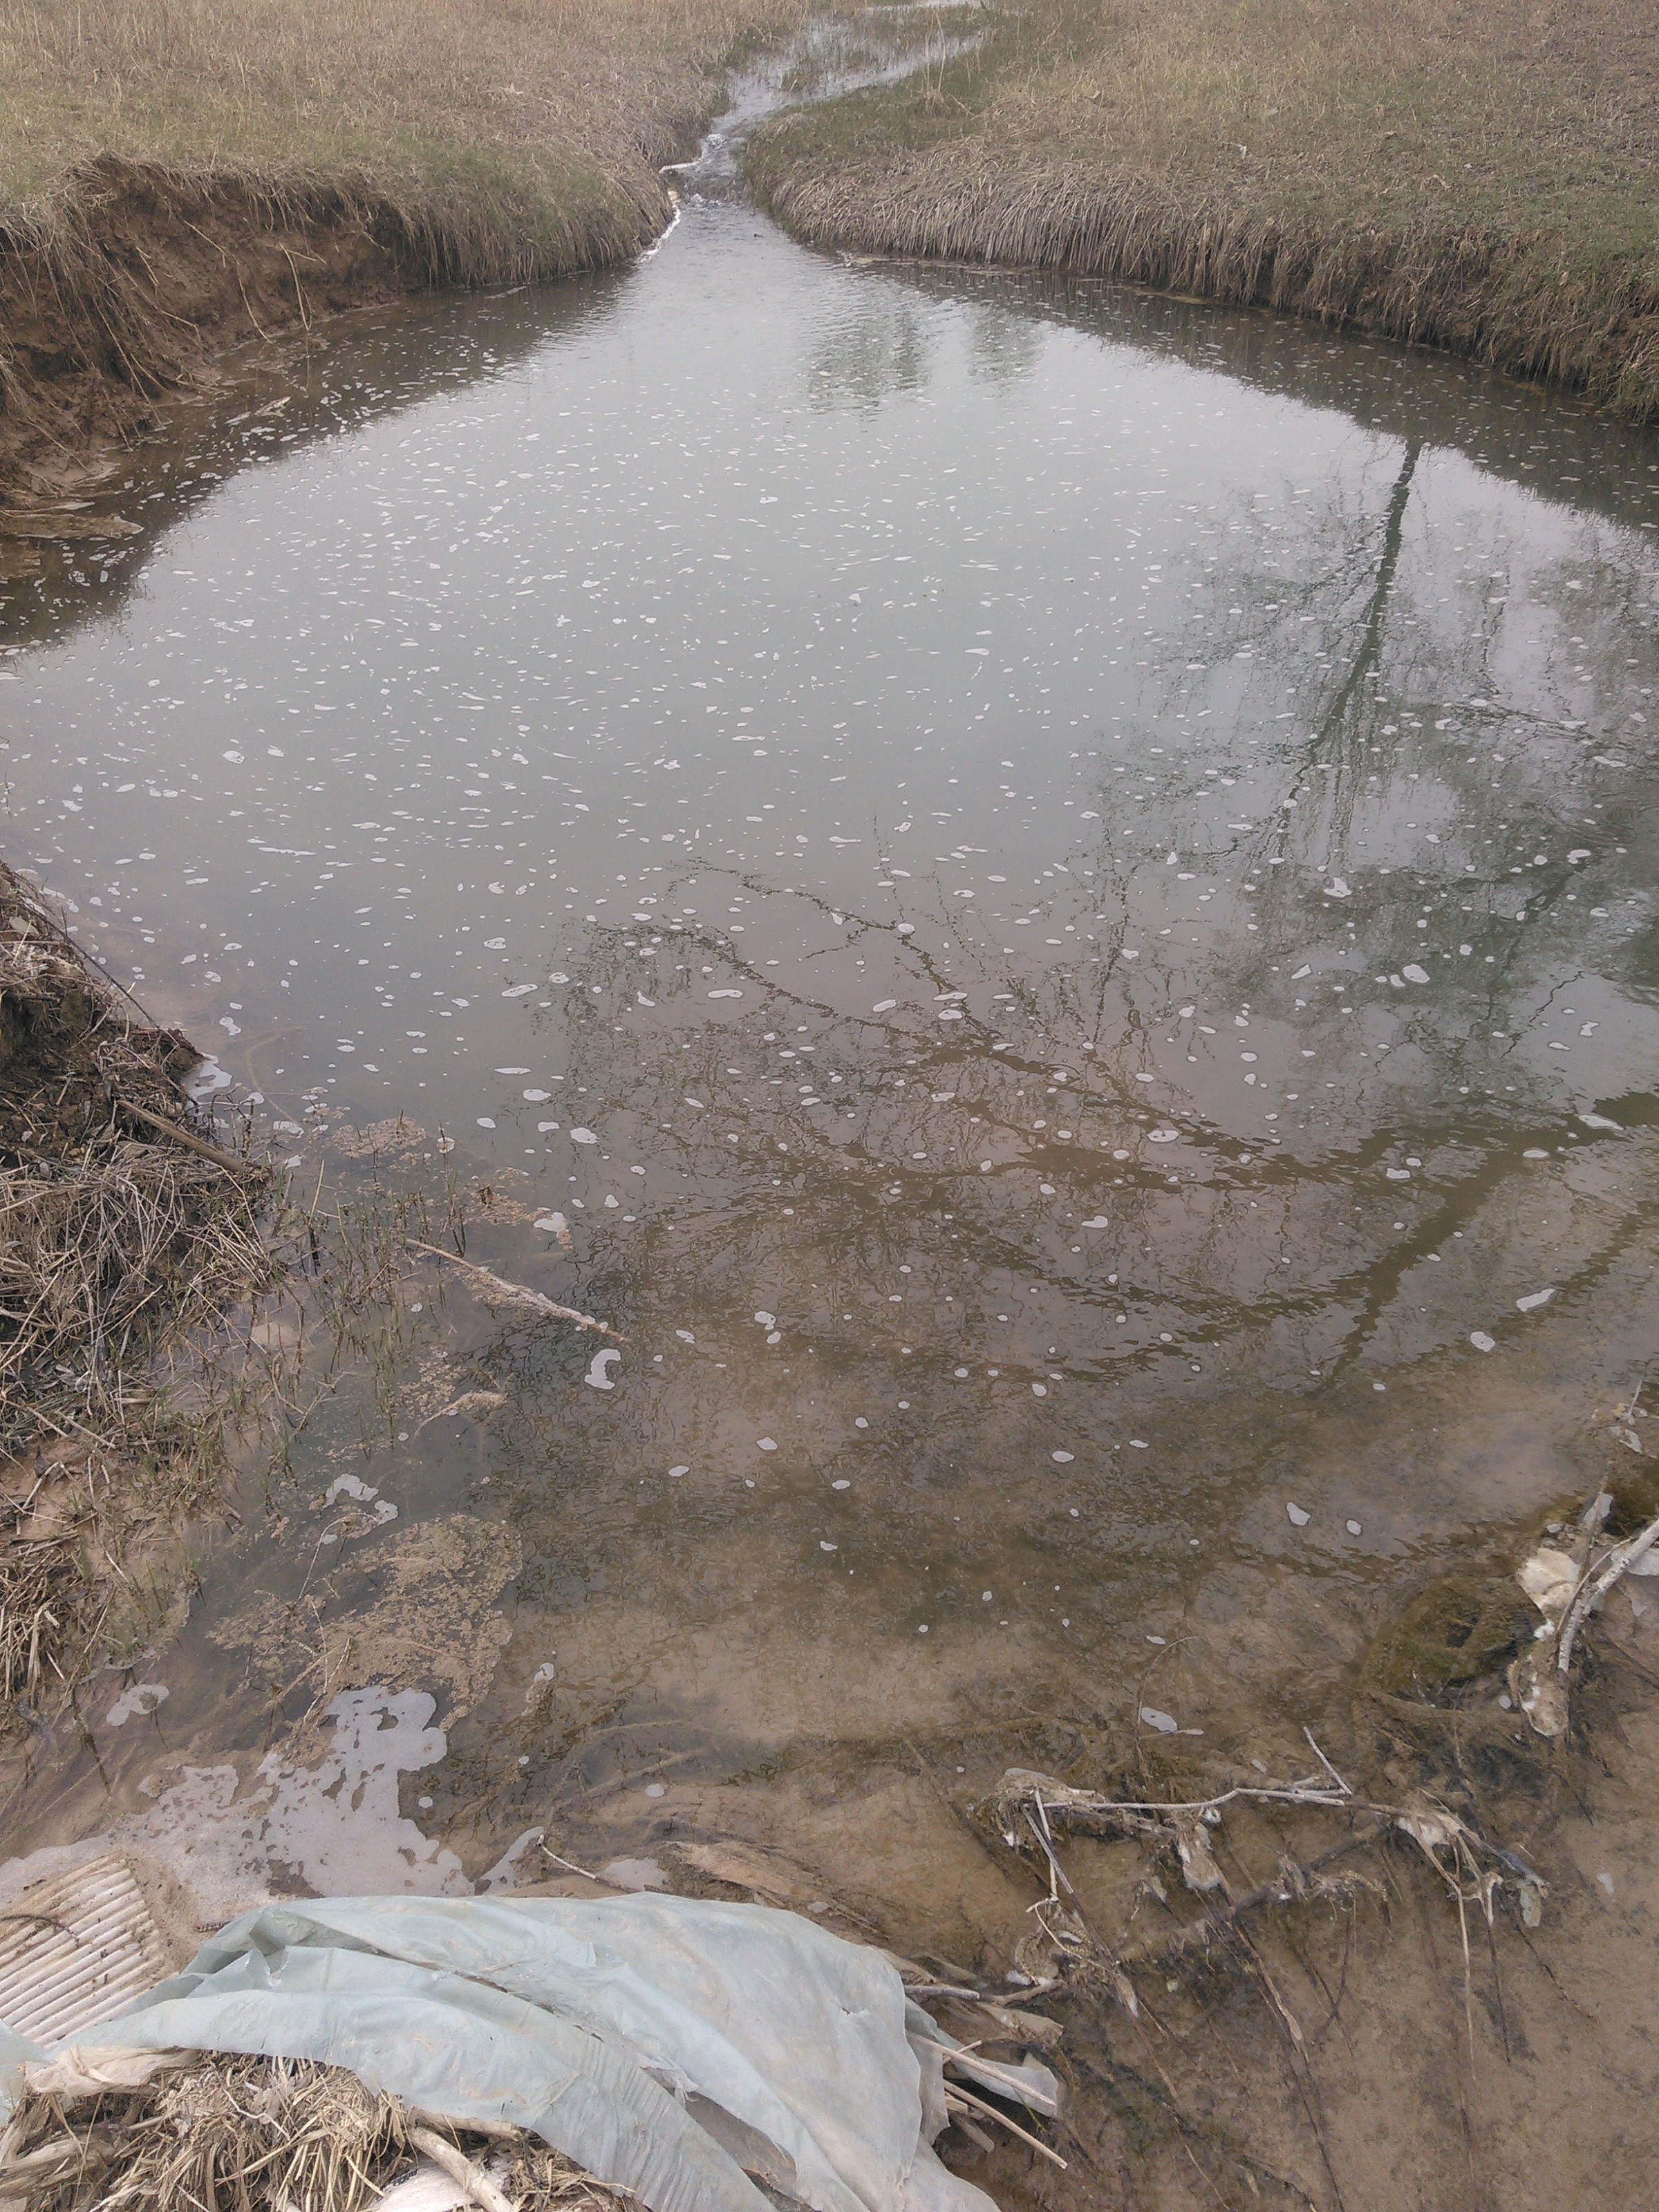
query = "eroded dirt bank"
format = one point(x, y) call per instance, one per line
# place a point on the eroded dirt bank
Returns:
point(173, 182)
point(126, 1231)
point(162, 271)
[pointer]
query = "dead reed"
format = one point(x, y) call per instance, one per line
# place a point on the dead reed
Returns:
point(1480, 179)
point(102, 1255)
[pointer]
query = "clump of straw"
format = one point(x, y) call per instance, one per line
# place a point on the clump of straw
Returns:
point(257, 2134)
point(99, 1252)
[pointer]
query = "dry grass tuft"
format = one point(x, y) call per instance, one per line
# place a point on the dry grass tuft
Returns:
point(1480, 178)
point(123, 1228)
point(258, 2135)
point(396, 93)
point(102, 1255)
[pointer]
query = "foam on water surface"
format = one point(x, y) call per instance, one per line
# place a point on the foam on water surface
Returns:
point(1094, 857)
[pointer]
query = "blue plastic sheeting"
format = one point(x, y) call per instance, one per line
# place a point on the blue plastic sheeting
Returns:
point(681, 2049)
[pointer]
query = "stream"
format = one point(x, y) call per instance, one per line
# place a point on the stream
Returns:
point(881, 813)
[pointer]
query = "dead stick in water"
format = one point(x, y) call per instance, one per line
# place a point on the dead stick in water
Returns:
point(1276, 1890)
point(191, 1144)
point(517, 1293)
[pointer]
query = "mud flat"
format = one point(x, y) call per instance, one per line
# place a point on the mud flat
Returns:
point(1479, 180)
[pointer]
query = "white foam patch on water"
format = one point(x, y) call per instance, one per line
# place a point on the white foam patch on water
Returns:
point(142, 1698)
point(634, 1874)
point(365, 1494)
point(203, 1081)
point(337, 1825)
point(596, 1376)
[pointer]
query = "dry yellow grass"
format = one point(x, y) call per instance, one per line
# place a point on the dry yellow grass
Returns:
point(413, 95)
point(1481, 176)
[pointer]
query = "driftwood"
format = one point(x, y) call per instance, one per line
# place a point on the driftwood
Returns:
point(955, 2095)
point(1473, 1869)
point(1566, 1586)
point(492, 1285)
point(190, 1142)
point(461, 2171)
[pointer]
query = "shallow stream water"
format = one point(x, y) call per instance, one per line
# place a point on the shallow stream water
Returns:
point(886, 812)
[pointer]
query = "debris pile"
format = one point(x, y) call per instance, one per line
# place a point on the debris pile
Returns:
point(1445, 1650)
point(510, 2051)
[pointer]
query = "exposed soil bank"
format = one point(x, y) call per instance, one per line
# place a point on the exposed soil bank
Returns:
point(163, 271)
point(173, 183)
point(1481, 181)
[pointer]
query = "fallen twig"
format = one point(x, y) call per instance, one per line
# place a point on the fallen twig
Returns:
point(184, 1137)
point(1042, 1802)
point(461, 2171)
point(954, 2093)
point(497, 1286)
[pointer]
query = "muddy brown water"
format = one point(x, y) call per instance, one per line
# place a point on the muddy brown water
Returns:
point(1056, 890)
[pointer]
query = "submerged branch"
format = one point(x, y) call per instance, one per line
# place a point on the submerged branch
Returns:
point(497, 1286)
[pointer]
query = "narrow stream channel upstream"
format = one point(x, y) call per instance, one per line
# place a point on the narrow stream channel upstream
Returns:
point(1046, 897)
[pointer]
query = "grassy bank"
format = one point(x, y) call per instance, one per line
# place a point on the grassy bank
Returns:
point(175, 177)
point(1483, 176)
